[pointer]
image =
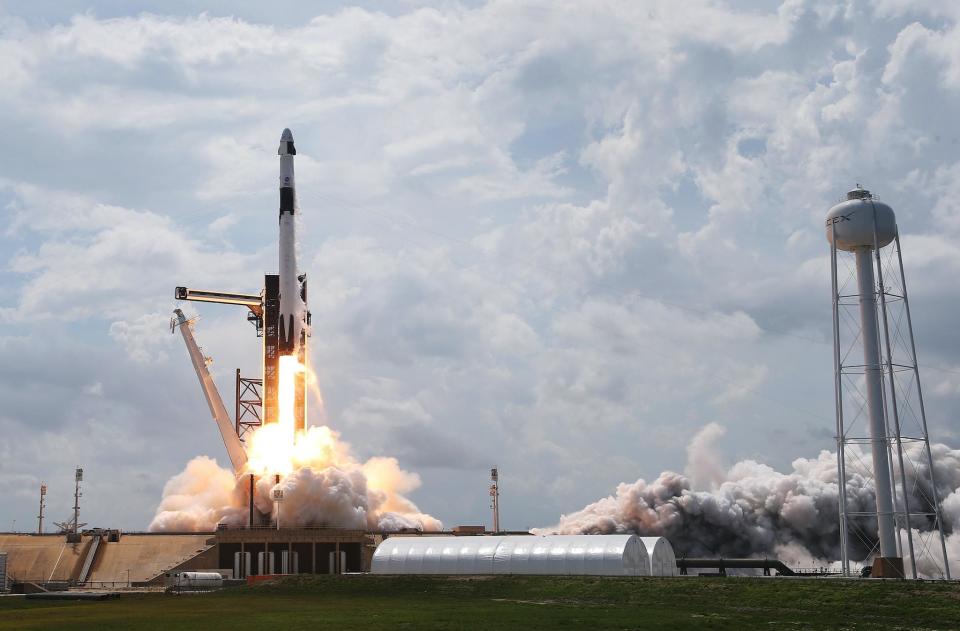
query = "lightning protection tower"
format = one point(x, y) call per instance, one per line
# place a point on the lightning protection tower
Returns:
point(495, 498)
point(43, 504)
point(879, 402)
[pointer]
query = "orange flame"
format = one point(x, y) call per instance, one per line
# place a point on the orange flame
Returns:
point(274, 445)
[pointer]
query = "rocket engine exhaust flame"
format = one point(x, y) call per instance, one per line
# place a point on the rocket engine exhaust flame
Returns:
point(323, 485)
point(286, 393)
point(273, 446)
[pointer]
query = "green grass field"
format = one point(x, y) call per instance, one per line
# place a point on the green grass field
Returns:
point(374, 602)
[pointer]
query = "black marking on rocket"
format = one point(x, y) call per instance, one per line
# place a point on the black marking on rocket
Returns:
point(285, 334)
point(286, 200)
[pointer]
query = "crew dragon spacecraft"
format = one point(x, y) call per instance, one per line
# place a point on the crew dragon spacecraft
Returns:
point(279, 314)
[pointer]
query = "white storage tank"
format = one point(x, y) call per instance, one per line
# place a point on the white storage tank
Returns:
point(265, 563)
point(596, 555)
point(194, 581)
point(242, 567)
point(663, 561)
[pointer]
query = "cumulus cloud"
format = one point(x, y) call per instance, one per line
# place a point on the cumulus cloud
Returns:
point(104, 261)
point(554, 238)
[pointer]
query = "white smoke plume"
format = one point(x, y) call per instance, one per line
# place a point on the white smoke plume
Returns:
point(326, 487)
point(198, 497)
point(704, 465)
point(752, 510)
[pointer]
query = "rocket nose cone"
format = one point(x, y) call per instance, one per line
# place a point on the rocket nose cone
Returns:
point(286, 144)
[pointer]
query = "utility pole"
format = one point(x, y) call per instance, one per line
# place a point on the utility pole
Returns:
point(43, 497)
point(495, 498)
point(251, 507)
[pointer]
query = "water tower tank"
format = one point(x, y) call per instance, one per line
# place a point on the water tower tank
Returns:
point(851, 222)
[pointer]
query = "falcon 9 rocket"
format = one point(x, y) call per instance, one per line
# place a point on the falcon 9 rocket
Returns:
point(293, 317)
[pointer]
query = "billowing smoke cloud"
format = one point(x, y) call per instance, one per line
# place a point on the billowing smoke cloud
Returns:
point(327, 487)
point(198, 497)
point(751, 509)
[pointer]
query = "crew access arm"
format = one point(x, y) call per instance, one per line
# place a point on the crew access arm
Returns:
point(238, 455)
point(253, 302)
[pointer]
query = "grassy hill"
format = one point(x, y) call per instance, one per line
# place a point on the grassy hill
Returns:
point(512, 602)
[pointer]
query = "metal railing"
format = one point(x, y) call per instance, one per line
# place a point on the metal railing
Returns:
point(223, 527)
point(51, 585)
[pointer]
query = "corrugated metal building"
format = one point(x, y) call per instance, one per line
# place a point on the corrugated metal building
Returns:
point(599, 555)
point(663, 561)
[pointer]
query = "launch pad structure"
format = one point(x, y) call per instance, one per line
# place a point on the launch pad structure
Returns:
point(281, 319)
point(266, 550)
point(280, 316)
point(256, 398)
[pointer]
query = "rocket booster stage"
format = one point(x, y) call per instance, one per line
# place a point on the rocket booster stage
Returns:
point(293, 319)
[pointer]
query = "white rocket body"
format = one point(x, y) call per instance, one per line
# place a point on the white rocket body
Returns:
point(292, 322)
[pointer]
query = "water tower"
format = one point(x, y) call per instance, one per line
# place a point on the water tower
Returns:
point(879, 401)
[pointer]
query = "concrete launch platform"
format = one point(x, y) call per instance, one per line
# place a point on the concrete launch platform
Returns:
point(113, 559)
point(318, 550)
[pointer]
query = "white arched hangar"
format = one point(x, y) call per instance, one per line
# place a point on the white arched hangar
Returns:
point(663, 561)
point(597, 555)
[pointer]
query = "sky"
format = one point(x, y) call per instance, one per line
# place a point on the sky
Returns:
point(555, 237)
